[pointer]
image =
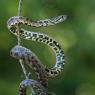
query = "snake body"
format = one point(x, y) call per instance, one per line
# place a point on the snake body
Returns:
point(39, 37)
point(37, 88)
point(28, 57)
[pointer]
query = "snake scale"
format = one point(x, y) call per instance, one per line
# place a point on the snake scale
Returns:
point(30, 58)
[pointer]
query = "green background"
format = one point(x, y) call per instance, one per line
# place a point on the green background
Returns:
point(76, 35)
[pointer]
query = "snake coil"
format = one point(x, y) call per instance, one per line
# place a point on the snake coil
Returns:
point(30, 58)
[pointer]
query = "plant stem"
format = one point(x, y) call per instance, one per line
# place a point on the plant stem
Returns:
point(19, 40)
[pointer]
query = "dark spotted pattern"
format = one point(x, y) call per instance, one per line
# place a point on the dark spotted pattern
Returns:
point(28, 57)
point(37, 88)
point(32, 61)
point(39, 37)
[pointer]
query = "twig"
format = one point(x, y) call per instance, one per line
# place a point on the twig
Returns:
point(19, 7)
point(19, 40)
point(19, 14)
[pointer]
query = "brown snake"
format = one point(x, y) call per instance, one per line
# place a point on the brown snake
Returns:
point(20, 52)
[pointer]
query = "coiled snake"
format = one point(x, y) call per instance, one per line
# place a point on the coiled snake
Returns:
point(29, 57)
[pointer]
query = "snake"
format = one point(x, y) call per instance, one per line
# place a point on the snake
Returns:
point(20, 52)
point(40, 37)
point(28, 57)
point(37, 88)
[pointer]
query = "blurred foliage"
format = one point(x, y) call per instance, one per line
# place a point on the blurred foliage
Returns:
point(76, 36)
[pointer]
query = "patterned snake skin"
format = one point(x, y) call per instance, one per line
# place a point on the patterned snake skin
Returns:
point(39, 37)
point(32, 61)
point(37, 88)
point(30, 58)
